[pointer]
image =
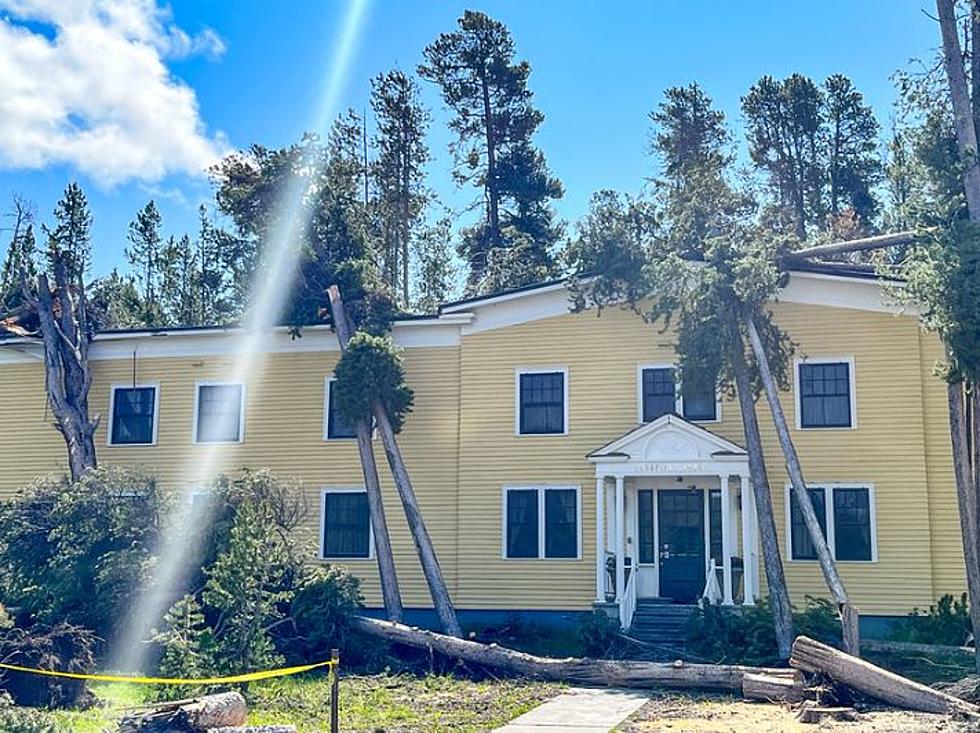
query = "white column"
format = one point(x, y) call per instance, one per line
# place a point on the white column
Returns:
point(600, 539)
point(748, 543)
point(726, 541)
point(620, 511)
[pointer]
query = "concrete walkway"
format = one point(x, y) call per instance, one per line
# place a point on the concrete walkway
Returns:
point(580, 710)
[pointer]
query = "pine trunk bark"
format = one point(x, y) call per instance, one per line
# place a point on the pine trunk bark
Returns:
point(770, 688)
point(221, 710)
point(390, 592)
point(865, 244)
point(782, 612)
point(605, 672)
point(965, 468)
point(847, 612)
point(413, 514)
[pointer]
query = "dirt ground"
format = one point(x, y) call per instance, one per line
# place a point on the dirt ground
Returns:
point(720, 714)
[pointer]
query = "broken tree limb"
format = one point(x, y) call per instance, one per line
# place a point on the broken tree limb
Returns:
point(390, 592)
point(814, 657)
point(773, 688)
point(221, 710)
point(864, 244)
point(911, 647)
point(607, 672)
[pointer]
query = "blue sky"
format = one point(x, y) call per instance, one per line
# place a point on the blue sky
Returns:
point(202, 76)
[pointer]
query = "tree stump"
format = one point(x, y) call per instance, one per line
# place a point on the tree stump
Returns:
point(197, 715)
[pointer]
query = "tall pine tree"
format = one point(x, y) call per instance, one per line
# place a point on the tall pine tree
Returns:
point(495, 121)
point(70, 241)
point(144, 256)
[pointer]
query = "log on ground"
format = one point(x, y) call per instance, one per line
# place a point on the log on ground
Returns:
point(606, 672)
point(196, 715)
point(814, 657)
point(255, 729)
point(772, 688)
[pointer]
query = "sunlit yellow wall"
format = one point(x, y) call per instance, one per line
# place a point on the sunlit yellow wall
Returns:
point(461, 448)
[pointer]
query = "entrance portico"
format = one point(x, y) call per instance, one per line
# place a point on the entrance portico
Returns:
point(670, 500)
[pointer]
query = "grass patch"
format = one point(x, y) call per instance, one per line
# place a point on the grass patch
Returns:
point(367, 703)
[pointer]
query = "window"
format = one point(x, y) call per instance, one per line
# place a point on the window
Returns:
point(335, 428)
point(541, 522)
point(345, 525)
point(219, 414)
point(133, 411)
point(846, 516)
point(542, 402)
point(648, 548)
point(659, 396)
point(825, 394)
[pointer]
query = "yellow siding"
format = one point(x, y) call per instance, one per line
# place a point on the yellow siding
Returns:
point(461, 448)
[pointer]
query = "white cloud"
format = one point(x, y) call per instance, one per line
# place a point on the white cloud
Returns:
point(84, 83)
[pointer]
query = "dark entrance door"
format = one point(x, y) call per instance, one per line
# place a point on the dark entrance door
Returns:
point(681, 524)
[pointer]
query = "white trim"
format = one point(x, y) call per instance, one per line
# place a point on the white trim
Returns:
point(518, 371)
point(327, 397)
point(323, 520)
point(678, 394)
point(541, 490)
point(798, 394)
point(830, 519)
point(241, 411)
point(112, 412)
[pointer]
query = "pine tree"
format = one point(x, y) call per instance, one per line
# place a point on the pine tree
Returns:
point(144, 256)
point(435, 270)
point(70, 241)
point(20, 263)
point(495, 122)
point(398, 174)
point(179, 278)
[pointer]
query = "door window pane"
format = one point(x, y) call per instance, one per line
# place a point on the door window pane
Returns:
point(133, 415)
point(542, 403)
point(659, 393)
point(561, 523)
point(647, 548)
point(219, 413)
point(522, 523)
point(346, 525)
point(825, 395)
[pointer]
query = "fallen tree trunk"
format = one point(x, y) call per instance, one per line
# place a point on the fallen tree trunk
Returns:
point(255, 729)
point(197, 715)
point(773, 688)
point(612, 673)
point(815, 657)
point(911, 647)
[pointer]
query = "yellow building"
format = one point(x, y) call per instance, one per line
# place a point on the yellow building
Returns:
point(525, 414)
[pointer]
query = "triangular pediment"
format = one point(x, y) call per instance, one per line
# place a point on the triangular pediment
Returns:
point(668, 438)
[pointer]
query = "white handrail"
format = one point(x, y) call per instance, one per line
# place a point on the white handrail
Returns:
point(627, 605)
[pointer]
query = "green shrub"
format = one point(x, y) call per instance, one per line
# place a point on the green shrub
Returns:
point(947, 622)
point(371, 368)
point(597, 633)
point(78, 551)
point(324, 601)
point(23, 720)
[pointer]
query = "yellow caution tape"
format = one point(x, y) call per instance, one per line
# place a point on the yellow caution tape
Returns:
point(247, 677)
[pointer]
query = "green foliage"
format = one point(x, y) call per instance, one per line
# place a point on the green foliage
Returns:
point(78, 551)
point(597, 633)
point(24, 720)
point(747, 636)
point(323, 603)
point(187, 645)
point(370, 369)
point(144, 255)
point(495, 121)
point(947, 622)
point(70, 240)
point(435, 269)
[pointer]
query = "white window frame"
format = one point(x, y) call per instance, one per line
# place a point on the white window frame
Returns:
point(241, 409)
point(798, 394)
point(541, 489)
point(678, 394)
point(828, 488)
point(323, 522)
point(517, 399)
point(112, 412)
point(327, 397)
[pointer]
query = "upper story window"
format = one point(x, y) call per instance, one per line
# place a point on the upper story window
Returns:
point(659, 396)
point(345, 525)
point(220, 413)
point(541, 522)
point(825, 394)
point(335, 428)
point(846, 517)
point(133, 412)
point(542, 402)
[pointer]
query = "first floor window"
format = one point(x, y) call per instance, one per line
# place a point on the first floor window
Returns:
point(844, 514)
point(337, 427)
point(541, 522)
point(541, 402)
point(346, 526)
point(133, 416)
point(219, 413)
